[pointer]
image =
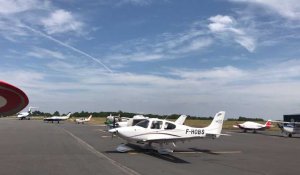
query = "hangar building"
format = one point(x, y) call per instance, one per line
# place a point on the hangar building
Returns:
point(291, 118)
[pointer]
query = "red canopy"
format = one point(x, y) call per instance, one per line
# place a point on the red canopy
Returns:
point(12, 99)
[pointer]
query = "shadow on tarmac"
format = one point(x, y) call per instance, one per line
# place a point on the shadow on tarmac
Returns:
point(153, 153)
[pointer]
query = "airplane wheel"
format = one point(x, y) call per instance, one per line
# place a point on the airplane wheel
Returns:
point(254, 131)
point(290, 135)
point(245, 130)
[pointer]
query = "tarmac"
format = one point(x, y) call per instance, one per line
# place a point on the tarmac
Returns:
point(34, 147)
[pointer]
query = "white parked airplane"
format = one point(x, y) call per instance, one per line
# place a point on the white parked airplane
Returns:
point(288, 128)
point(253, 126)
point(57, 118)
point(137, 118)
point(25, 115)
point(131, 121)
point(82, 120)
point(163, 132)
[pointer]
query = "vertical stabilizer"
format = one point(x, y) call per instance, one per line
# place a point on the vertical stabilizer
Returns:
point(181, 120)
point(216, 125)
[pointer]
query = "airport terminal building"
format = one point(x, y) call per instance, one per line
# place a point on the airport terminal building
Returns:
point(291, 118)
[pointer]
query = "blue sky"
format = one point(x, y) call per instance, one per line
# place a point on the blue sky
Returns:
point(154, 56)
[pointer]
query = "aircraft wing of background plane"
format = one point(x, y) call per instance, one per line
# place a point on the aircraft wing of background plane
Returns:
point(277, 121)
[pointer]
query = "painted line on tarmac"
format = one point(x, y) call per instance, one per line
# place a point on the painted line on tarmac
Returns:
point(213, 152)
point(101, 130)
point(105, 136)
point(123, 168)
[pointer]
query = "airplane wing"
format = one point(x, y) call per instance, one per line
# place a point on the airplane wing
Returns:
point(285, 122)
point(169, 140)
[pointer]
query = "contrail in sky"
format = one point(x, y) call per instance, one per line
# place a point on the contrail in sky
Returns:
point(67, 46)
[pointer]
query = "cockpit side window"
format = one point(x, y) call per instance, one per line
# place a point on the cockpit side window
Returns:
point(143, 123)
point(169, 126)
point(156, 124)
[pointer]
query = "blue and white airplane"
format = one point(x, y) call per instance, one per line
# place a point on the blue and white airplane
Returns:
point(57, 118)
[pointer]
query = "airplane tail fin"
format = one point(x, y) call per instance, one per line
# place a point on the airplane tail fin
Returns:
point(69, 114)
point(30, 108)
point(216, 125)
point(268, 124)
point(90, 117)
point(181, 120)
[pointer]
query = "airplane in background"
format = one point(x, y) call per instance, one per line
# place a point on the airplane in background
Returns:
point(253, 126)
point(137, 118)
point(116, 118)
point(57, 118)
point(25, 115)
point(130, 121)
point(82, 120)
point(162, 132)
point(288, 128)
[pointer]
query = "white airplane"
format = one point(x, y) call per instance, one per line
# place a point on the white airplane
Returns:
point(57, 118)
point(137, 118)
point(25, 115)
point(288, 128)
point(253, 126)
point(131, 121)
point(82, 120)
point(163, 132)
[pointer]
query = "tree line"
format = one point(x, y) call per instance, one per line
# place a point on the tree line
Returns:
point(121, 113)
point(130, 114)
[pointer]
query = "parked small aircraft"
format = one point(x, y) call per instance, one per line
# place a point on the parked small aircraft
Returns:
point(130, 121)
point(82, 120)
point(288, 128)
point(117, 118)
point(253, 126)
point(57, 118)
point(159, 131)
point(25, 115)
point(137, 118)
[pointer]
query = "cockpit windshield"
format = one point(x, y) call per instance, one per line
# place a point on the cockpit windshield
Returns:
point(143, 123)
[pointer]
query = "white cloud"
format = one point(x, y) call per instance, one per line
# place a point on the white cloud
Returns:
point(135, 2)
point(217, 73)
point(45, 53)
point(220, 23)
point(267, 91)
point(226, 27)
point(15, 6)
point(162, 47)
point(289, 9)
point(61, 21)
